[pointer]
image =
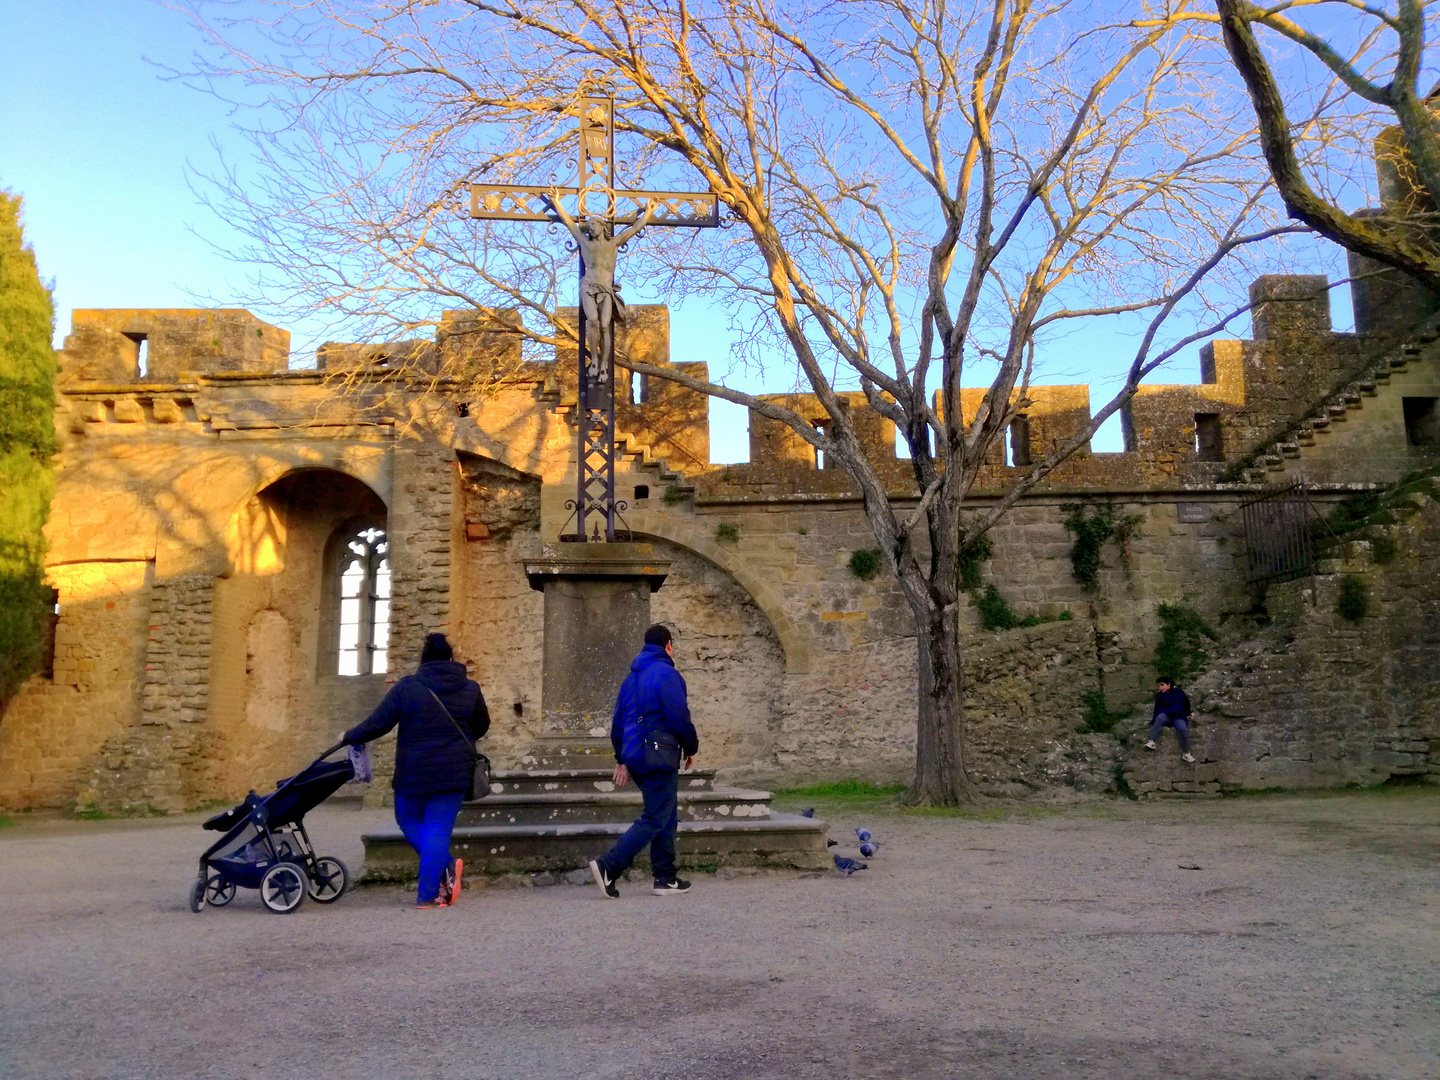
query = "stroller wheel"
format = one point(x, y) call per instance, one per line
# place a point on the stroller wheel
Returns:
point(331, 880)
point(197, 894)
point(218, 891)
point(283, 887)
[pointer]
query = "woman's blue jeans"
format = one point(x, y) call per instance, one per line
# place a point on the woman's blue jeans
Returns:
point(427, 821)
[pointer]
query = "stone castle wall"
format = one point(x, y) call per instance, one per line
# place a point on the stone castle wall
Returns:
point(195, 503)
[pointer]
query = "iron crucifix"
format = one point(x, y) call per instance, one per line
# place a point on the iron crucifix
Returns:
point(599, 208)
point(599, 298)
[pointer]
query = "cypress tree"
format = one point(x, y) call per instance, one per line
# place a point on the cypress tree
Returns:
point(27, 440)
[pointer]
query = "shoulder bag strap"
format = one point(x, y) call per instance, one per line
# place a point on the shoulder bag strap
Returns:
point(450, 716)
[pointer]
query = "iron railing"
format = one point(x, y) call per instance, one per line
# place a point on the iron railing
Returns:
point(1278, 542)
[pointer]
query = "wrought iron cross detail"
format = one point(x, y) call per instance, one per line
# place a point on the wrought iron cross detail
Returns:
point(598, 208)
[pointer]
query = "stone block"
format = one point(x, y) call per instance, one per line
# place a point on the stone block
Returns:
point(167, 411)
point(128, 411)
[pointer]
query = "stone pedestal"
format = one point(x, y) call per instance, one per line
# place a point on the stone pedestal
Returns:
point(561, 809)
point(597, 606)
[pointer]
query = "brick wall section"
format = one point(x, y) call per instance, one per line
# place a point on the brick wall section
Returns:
point(419, 531)
point(54, 728)
point(158, 763)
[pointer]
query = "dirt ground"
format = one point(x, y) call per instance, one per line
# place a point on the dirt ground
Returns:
point(1015, 944)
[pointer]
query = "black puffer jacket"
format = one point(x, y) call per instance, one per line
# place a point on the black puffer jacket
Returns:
point(430, 756)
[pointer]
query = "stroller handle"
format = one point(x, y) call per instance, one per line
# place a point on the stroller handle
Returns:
point(338, 746)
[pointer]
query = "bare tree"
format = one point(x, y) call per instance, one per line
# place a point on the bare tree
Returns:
point(1374, 60)
point(921, 190)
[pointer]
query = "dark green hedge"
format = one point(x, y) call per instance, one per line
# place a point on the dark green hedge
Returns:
point(27, 439)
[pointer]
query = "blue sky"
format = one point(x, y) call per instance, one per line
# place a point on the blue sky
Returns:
point(97, 141)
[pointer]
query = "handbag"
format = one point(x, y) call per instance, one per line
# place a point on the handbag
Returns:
point(662, 751)
point(480, 764)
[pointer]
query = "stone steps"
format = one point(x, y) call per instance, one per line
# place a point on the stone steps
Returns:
point(549, 808)
point(568, 752)
point(572, 781)
point(781, 841)
point(1337, 408)
point(556, 814)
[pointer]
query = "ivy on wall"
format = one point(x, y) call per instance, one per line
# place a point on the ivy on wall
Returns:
point(1354, 599)
point(865, 563)
point(1093, 527)
point(27, 439)
point(972, 557)
point(1183, 636)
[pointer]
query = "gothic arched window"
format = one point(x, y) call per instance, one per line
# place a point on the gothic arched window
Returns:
point(364, 595)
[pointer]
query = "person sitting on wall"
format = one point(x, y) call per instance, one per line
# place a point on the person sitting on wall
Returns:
point(441, 713)
point(1172, 709)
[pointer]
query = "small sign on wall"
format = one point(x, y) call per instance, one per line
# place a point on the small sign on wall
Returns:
point(1192, 513)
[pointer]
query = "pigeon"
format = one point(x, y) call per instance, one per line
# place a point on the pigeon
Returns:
point(863, 834)
point(831, 843)
point(808, 813)
point(848, 866)
point(869, 850)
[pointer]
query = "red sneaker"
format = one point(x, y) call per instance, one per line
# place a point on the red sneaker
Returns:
point(454, 881)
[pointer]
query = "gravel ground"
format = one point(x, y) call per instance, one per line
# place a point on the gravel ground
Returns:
point(1015, 944)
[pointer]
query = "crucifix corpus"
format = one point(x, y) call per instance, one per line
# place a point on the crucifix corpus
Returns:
point(599, 207)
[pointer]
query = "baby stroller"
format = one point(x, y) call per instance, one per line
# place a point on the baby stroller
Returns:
point(265, 846)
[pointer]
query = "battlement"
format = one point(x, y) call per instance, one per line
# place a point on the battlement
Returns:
point(120, 345)
point(1250, 393)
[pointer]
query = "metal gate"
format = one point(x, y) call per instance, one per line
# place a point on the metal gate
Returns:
point(1278, 544)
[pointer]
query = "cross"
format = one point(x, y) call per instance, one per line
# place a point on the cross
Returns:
point(598, 208)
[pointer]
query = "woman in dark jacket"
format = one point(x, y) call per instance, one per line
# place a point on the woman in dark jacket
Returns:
point(433, 762)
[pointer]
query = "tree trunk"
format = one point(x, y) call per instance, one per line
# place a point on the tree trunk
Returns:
point(941, 778)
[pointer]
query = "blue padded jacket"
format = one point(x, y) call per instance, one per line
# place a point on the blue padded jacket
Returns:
point(652, 696)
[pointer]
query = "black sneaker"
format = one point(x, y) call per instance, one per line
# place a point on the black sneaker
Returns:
point(606, 885)
point(672, 887)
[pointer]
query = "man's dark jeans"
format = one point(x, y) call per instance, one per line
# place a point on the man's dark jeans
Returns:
point(1161, 721)
point(655, 827)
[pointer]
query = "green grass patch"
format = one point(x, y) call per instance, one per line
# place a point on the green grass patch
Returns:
point(6, 822)
point(850, 797)
point(91, 813)
point(843, 789)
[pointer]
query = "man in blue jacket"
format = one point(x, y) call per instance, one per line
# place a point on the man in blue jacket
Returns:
point(651, 731)
point(1172, 709)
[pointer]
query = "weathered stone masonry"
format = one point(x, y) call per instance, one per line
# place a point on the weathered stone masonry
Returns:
point(196, 503)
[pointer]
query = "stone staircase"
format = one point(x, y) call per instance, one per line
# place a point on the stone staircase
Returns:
point(561, 809)
point(634, 447)
point(1336, 408)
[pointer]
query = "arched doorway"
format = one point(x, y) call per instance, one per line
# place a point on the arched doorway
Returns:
point(301, 623)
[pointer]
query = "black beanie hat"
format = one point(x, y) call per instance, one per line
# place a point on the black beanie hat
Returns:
point(437, 647)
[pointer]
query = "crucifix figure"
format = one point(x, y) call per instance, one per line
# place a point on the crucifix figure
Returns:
point(599, 299)
point(599, 207)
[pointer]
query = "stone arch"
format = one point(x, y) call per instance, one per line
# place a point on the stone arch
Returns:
point(793, 640)
point(731, 658)
point(254, 533)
